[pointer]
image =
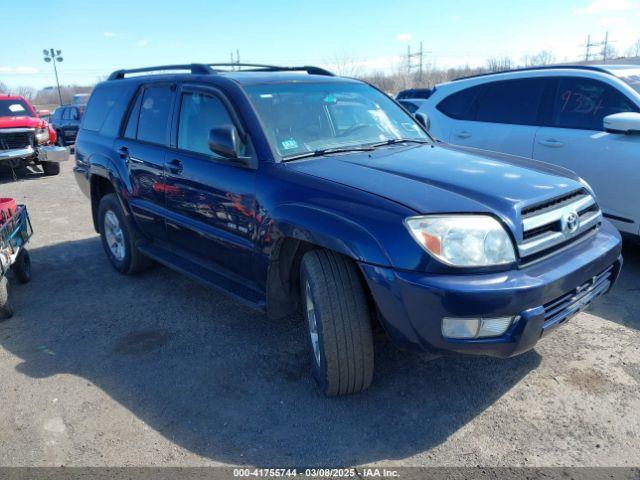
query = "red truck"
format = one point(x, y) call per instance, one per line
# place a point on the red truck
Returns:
point(27, 139)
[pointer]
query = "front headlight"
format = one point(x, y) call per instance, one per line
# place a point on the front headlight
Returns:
point(42, 135)
point(463, 240)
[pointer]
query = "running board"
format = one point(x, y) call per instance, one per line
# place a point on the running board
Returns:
point(208, 276)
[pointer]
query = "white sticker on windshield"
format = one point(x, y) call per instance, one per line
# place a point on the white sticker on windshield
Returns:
point(289, 144)
point(266, 95)
point(16, 107)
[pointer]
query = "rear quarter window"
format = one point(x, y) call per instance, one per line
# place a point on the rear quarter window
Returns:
point(459, 105)
point(101, 102)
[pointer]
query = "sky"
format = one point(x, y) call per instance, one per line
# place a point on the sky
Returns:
point(97, 37)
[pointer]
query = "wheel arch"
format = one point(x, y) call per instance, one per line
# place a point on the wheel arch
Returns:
point(298, 229)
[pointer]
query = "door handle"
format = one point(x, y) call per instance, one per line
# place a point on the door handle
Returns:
point(175, 166)
point(551, 142)
point(123, 152)
point(462, 134)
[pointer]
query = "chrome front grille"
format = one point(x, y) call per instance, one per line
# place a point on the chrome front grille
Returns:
point(557, 222)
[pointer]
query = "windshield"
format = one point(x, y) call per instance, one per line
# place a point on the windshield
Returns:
point(14, 108)
point(307, 117)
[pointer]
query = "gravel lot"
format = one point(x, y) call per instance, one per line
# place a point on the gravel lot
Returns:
point(101, 369)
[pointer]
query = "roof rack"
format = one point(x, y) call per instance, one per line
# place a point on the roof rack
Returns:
point(208, 69)
point(195, 68)
point(544, 67)
point(259, 67)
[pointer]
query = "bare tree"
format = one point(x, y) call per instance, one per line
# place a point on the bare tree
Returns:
point(26, 92)
point(545, 57)
point(345, 64)
point(495, 64)
point(4, 88)
point(634, 49)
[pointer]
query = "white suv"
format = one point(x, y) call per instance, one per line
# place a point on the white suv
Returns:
point(585, 118)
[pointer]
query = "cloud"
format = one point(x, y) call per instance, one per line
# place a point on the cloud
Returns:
point(109, 34)
point(19, 70)
point(404, 37)
point(602, 6)
point(142, 43)
point(455, 18)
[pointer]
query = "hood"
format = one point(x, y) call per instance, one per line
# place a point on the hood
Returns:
point(21, 122)
point(441, 178)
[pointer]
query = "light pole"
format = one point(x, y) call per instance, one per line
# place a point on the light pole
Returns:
point(54, 56)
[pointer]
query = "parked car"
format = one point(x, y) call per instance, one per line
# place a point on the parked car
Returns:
point(585, 118)
point(26, 139)
point(80, 98)
point(412, 104)
point(413, 93)
point(66, 122)
point(319, 193)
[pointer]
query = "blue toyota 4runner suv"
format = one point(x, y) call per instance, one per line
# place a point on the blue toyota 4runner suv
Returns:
point(290, 188)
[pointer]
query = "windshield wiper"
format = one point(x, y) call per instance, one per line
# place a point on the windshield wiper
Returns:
point(328, 151)
point(393, 141)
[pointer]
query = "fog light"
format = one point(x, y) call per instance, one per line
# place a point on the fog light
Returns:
point(475, 327)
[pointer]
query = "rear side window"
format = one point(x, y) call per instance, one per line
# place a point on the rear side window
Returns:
point(131, 130)
point(582, 103)
point(100, 104)
point(154, 114)
point(515, 102)
point(459, 105)
point(65, 114)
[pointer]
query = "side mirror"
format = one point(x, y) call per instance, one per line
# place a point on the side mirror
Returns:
point(423, 119)
point(626, 122)
point(224, 141)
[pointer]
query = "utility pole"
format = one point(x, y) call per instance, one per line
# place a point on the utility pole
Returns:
point(420, 54)
point(604, 44)
point(589, 45)
point(235, 62)
point(54, 56)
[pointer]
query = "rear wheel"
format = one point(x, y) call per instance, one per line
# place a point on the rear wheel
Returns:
point(120, 237)
point(339, 323)
point(6, 311)
point(21, 268)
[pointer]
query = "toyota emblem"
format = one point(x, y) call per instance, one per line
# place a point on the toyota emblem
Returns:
point(571, 223)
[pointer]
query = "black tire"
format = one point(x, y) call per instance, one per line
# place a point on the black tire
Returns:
point(21, 268)
point(130, 260)
point(50, 168)
point(344, 361)
point(6, 311)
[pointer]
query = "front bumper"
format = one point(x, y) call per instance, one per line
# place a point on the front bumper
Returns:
point(53, 154)
point(49, 153)
point(541, 296)
point(17, 153)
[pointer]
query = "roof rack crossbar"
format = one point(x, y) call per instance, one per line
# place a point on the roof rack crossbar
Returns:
point(259, 67)
point(544, 67)
point(195, 68)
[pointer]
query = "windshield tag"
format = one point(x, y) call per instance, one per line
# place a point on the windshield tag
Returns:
point(289, 144)
point(16, 107)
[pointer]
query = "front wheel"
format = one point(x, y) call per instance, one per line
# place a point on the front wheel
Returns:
point(50, 168)
point(338, 319)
